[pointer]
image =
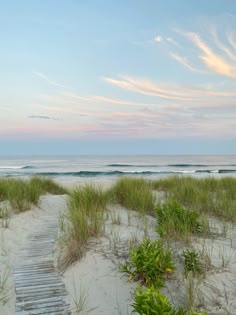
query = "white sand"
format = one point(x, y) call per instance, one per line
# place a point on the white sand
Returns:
point(96, 278)
point(13, 238)
point(97, 275)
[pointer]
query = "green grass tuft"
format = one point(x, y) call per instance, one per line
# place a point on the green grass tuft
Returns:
point(85, 219)
point(209, 195)
point(23, 193)
point(135, 194)
point(192, 262)
point(175, 221)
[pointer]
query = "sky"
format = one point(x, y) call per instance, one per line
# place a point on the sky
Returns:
point(118, 77)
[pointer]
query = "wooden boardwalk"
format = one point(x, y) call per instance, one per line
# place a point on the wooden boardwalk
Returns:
point(39, 288)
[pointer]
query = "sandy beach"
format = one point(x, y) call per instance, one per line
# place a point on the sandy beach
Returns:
point(95, 284)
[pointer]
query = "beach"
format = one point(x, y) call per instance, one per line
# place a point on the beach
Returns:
point(96, 275)
point(95, 284)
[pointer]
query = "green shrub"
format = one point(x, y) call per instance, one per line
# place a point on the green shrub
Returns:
point(150, 301)
point(192, 262)
point(176, 221)
point(134, 193)
point(149, 262)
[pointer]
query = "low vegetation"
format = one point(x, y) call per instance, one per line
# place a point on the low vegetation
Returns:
point(175, 221)
point(150, 262)
point(212, 196)
point(135, 194)
point(181, 213)
point(4, 286)
point(85, 219)
point(192, 262)
point(23, 193)
point(152, 302)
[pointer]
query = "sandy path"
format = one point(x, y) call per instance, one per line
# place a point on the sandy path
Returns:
point(95, 279)
point(38, 286)
point(14, 240)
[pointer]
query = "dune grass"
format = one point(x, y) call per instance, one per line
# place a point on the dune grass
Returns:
point(85, 219)
point(134, 193)
point(177, 222)
point(23, 193)
point(210, 195)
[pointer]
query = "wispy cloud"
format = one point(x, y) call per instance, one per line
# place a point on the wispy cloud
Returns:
point(165, 109)
point(45, 78)
point(65, 110)
point(221, 46)
point(166, 91)
point(184, 61)
point(42, 117)
point(212, 60)
point(147, 87)
point(232, 40)
point(173, 42)
point(217, 54)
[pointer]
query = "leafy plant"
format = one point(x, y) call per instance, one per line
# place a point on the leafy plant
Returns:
point(149, 262)
point(192, 261)
point(176, 221)
point(150, 301)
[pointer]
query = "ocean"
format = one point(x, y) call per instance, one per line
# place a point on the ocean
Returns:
point(108, 168)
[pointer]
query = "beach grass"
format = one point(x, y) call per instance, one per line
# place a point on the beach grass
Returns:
point(184, 211)
point(134, 193)
point(212, 196)
point(85, 219)
point(177, 222)
point(23, 193)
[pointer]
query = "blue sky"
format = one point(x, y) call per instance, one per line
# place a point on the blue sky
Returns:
point(109, 77)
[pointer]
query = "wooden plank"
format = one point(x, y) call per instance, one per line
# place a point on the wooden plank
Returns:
point(39, 288)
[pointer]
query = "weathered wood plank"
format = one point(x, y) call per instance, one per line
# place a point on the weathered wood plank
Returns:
point(39, 288)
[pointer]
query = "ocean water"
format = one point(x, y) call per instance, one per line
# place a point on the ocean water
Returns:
point(108, 168)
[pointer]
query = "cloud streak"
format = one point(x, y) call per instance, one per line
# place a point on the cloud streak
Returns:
point(185, 62)
point(147, 87)
point(166, 91)
point(217, 55)
point(171, 110)
point(53, 83)
point(212, 60)
point(42, 117)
